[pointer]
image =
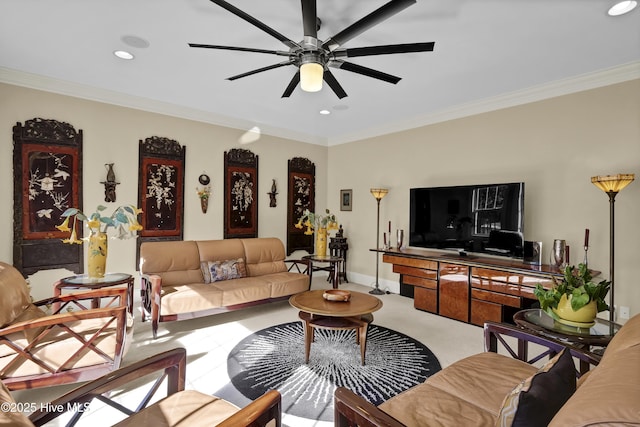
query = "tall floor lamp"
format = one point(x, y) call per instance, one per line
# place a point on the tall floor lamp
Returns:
point(612, 184)
point(378, 193)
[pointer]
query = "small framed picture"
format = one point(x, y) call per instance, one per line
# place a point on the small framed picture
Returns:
point(346, 197)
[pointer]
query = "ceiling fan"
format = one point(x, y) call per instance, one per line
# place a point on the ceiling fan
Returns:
point(313, 57)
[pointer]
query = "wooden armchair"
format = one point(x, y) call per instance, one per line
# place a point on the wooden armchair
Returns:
point(180, 407)
point(62, 339)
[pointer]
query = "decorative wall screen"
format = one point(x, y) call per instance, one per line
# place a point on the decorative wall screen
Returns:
point(47, 171)
point(161, 189)
point(240, 194)
point(301, 196)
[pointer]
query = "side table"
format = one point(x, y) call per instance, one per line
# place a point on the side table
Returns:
point(599, 335)
point(338, 246)
point(333, 268)
point(83, 281)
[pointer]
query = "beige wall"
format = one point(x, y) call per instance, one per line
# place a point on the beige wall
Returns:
point(554, 146)
point(111, 134)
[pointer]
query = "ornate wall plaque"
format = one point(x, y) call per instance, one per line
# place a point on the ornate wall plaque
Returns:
point(161, 189)
point(240, 194)
point(47, 161)
point(301, 196)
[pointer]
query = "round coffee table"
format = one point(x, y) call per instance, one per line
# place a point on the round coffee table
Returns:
point(317, 312)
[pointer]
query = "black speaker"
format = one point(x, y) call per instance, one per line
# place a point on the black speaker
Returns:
point(532, 252)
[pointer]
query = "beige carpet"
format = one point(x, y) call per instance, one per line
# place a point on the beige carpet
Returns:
point(209, 340)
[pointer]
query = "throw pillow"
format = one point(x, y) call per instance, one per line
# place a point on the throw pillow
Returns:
point(215, 271)
point(536, 400)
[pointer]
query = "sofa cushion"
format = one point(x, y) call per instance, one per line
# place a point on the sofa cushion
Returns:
point(240, 291)
point(460, 394)
point(15, 294)
point(536, 400)
point(189, 298)
point(186, 408)
point(215, 271)
point(264, 255)
point(286, 283)
point(176, 262)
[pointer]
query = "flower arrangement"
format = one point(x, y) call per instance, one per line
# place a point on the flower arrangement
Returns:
point(204, 192)
point(124, 218)
point(312, 220)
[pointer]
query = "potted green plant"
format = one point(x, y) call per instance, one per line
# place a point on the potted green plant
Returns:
point(576, 299)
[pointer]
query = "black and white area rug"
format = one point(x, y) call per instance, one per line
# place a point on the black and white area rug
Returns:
point(273, 358)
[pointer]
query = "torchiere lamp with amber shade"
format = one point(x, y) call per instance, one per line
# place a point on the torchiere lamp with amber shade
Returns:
point(612, 184)
point(378, 193)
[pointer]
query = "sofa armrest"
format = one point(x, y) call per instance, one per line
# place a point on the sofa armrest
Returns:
point(495, 333)
point(170, 364)
point(150, 292)
point(352, 410)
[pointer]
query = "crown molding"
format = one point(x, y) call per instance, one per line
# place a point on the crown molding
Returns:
point(609, 76)
point(90, 93)
point(567, 86)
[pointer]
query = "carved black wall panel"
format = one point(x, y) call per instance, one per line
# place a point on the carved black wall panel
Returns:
point(160, 190)
point(301, 196)
point(47, 179)
point(240, 194)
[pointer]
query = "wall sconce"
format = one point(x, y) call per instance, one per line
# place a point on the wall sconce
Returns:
point(272, 194)
point(110, 184)
point(204, 192)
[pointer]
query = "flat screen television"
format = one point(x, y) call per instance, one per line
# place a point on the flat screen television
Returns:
point(483, 219)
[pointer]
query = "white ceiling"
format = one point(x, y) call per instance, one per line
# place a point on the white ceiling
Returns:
point(488, 54)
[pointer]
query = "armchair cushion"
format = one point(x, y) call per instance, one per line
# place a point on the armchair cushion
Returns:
point(15, 294)
point(9, 415)
point(187, 408)
point(536, 400)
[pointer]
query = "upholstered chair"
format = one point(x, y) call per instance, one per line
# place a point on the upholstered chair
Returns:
point(62, 339)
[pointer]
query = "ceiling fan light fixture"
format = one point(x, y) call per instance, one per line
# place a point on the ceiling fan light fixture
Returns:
point(311, 76)
point(622, 7)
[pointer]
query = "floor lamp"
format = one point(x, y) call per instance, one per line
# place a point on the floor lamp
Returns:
point(612, 184)
point(378, 193)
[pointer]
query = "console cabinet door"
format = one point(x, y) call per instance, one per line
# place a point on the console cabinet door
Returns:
point(454, 291)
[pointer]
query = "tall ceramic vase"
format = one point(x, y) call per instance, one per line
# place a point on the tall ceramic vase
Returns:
point(97, 255)
point(321, 242)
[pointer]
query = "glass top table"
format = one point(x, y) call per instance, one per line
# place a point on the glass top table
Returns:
point(83, 281)
point(536, 319)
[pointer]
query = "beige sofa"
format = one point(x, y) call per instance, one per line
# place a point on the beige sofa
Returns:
point(173, 283)
point(472, 391)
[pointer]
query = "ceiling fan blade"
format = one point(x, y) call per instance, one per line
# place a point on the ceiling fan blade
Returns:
point(382, 13)
point(259, 70)
point(365, 71)
point(253, 21)
point(292, 85)
point(333, 84)
point(310, 18)
point(242, 49)
point(384, 50)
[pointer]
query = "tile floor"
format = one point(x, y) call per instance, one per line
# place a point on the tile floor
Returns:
point(208, 341)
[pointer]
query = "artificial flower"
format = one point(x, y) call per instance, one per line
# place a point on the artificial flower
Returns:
point(312, 221)
point(124, 218)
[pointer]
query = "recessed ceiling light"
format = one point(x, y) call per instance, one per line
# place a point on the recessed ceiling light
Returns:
point(325, 112)
point(622, 7)
point(123, 54)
